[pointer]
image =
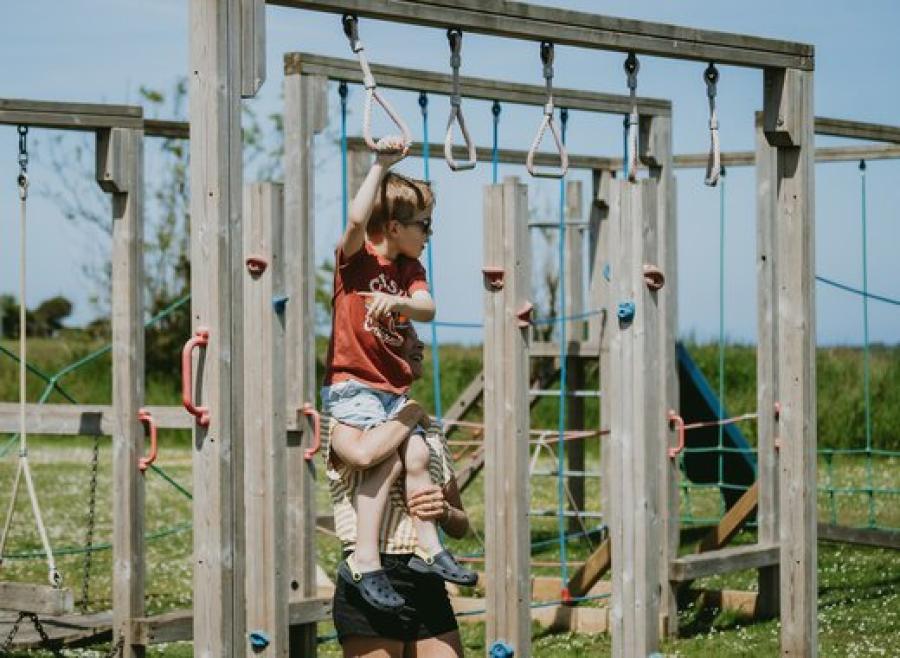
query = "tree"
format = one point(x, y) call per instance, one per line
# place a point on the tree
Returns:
point(49, 316)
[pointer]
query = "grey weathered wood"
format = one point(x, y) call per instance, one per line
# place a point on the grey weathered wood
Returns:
point(823, 154)
point(359, 161)
point(766, 363)
point(304, 116)
point(481, 88)
point(120, 156)
point(253, 46)
point(726, 560)
point(861, 536)
point(265, 469)
point(216, 270)
point(40, 599)
point(875, 132)
point(655, 149)
point(565, 27)
point(507, 490)
point(73, 629)
point(167, 129)
point(789, 96)
point(69, 116)
point(637, 425)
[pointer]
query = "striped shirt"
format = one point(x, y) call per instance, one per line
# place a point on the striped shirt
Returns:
point(397, 534)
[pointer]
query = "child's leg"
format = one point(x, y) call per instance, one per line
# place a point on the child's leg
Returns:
point(415, 459)
point(362, 450)
point(371, 501)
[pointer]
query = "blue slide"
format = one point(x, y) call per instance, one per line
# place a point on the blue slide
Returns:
point(699, 403)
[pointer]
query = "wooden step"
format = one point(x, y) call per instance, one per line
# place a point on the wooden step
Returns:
point(40, 599)
point(726, 560)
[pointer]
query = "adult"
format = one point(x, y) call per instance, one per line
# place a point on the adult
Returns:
point(426, 625)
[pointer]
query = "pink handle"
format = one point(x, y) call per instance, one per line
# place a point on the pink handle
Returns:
point(678, 422)
point(200, 339)
point(150, 427)
point(309, 410)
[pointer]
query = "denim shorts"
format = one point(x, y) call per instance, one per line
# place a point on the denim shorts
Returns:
point(359, 405)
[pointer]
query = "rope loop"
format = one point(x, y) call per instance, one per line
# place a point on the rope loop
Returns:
point(714, 163)
point(547, 56)
point(454, 37)
point(351, 28)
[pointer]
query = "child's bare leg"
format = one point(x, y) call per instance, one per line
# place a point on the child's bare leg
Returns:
point(362, 450)
point(371, 501)
point(415, 461)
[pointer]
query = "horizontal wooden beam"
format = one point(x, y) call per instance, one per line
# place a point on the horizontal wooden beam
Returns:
point(95, 420)
point(726, 560)
point(167, 129)
point(862, 536)
point(178, 626)
point(519, 20)
point(394, 77)
point(69, 116)
point(40, 599)
point(823, 154)
point(874, 132)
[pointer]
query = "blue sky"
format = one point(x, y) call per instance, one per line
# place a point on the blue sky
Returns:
point(104, 50)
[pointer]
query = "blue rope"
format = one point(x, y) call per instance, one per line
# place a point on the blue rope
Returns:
point(857, 291)
point(721, 432)
point(435, 348)
point(563, 374)
point(343, 91)
point(495, 151)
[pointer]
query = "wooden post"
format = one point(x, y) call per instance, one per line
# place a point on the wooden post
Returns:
point(265, 469)
point(766, 364)
point(506, 411)
point(216, 280)
point(788, 125)
point(358, 164)
point(305, 99)
point(120, 170)
point(656, 153)
point(253, 46)
point(575, 334)
point(636, 425)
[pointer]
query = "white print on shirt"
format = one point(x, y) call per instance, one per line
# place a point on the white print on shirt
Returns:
point(385, 327)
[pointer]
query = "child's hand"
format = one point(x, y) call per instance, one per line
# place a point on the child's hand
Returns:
point(391, 149)
point(380, 304)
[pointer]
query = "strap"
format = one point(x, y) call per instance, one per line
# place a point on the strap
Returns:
point(454, 36)
point(547, 122)
point(632, 66)
point(351, 29)
point(714, 163)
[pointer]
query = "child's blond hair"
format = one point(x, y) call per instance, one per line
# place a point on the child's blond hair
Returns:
point(399, 198)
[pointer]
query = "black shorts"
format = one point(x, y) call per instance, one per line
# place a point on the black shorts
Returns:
point(427, 612)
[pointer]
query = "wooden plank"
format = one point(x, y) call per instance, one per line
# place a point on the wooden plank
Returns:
point(168, 129)
point(733, 520)
point(874, 132)
point(519, 20)
point(823, 154)
point(592, 570)
point(507, 490)
point(726, 560)
point(66, 630)
point(861, 536)
point(265, 469)
point(120, 155)
point(505, 156)
point(40, 599)
point(394, 77)
point(583, 349)
point(69, 116)
point(791, 95)
point(304, 116)
point(555, 618)
point(253, 46)
point(217, 185)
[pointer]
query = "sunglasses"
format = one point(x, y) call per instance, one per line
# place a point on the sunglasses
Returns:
point(424, 224)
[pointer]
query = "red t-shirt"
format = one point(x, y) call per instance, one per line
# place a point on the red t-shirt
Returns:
point(366, 351)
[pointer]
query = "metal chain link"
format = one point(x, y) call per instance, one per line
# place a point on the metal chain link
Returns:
point(22, 179)
point(116, 649)
point(7, 643)
point(91, 523)
point(45, 639)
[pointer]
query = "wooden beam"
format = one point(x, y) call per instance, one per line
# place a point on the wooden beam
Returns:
point(40, 599)
point(393, 77)
point(167, 129)
point(253, 46)
point(823, 154)
point(69, 116)
point(265, 468)
point(518, 20)
point(726, 560)
point(733, 520)
point(120, 158)
point(874, 132)
point(216, 178)
point(861, 536)
point(592, 570)
point(507, 490)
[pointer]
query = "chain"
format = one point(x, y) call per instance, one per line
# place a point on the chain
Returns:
point(91, 522)
point(45, 639)
point(7, 643)
point(116, 649)
point(22, 179)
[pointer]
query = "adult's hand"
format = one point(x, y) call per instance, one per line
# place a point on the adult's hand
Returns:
point(428, 504)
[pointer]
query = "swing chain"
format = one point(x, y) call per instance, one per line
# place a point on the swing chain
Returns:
point(91, 523)
point(711, 76)
point(13, 631)
point(454, 37)
point(632, 66)
point(351, 29)
point(22, 179)
point(547, 60)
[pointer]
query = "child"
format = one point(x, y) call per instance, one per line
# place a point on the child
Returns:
point(378, 284)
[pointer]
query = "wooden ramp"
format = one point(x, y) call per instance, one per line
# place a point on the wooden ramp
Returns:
point(63, 631)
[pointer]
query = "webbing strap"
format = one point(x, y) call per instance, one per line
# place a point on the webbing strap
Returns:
point(632, 66)
point(714, 164)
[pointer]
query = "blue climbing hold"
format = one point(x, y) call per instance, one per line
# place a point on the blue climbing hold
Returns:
point(501, 649)
point(625, 311)
point(607, 271)
point(279, 302)
point(259, 640)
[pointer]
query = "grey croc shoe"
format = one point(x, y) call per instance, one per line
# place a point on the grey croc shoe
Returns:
point(373, 586)
point(443, 564)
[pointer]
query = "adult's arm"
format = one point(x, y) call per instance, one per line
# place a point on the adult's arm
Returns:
point(370, 448)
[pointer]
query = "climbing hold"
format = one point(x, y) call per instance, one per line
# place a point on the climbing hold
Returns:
point(279, 302)
point(523, 315)
point(625, 311)
point(654, 277)
point(259, 640)
point(501, 649)
point(493, 277)
point(256, 265)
